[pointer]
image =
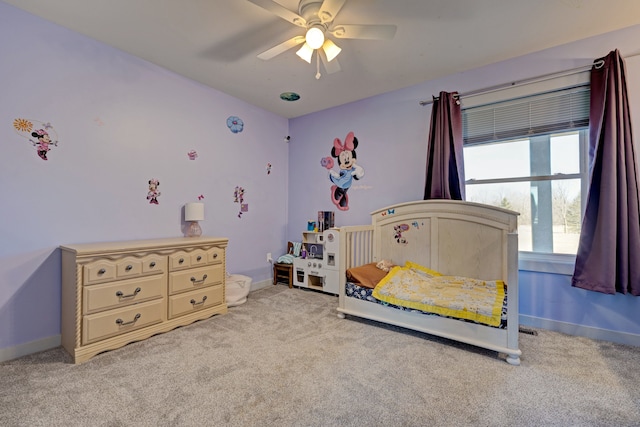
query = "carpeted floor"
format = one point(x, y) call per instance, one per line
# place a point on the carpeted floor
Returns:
point(285, 359)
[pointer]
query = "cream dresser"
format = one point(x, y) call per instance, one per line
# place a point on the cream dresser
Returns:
point(118, 292)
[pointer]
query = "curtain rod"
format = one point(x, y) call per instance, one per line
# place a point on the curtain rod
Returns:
point(599, 63)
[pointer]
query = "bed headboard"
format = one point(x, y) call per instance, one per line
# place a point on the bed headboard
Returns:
point(450, 236)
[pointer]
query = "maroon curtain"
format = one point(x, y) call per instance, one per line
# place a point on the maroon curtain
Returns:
point(608, 258)
point(445, 166)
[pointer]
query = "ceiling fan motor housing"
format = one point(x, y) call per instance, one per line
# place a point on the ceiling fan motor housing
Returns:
point(309, 10)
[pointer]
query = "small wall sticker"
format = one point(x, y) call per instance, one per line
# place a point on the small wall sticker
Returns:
point(398, 230)
point(268, 168)
point(238, 196)
point(41, 135)
point(326, 162)
point(192, 154)
point(153, 193)
point(235, 124)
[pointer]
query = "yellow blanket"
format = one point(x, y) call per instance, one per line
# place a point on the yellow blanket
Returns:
point(415, 286)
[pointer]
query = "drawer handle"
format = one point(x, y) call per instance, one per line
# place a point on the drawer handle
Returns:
point(153, 264)
point(123, 323)
point(199, 258)
point(181, 260)
point(129, 267)
point(199, 282)
point(102, 271)
point(194, 303)
point(119, 294)
point(215, 256)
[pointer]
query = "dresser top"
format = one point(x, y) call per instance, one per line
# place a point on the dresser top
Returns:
point(141, 245)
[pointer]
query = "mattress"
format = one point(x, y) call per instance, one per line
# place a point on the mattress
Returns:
point(365, 294)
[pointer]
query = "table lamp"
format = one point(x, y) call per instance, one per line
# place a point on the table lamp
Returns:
point(194, 212)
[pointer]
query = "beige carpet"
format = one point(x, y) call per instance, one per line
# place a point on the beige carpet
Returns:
point(285, 359)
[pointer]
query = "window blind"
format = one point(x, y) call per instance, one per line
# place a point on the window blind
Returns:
point(539, 114)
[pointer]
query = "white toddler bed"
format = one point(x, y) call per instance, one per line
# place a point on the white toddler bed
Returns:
point(449, 236)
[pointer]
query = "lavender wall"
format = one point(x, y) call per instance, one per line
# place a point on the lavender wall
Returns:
point(120, 122)
point(392, 130)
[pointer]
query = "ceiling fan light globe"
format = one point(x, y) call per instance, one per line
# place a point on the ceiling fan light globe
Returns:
point(314, 37)
point(305, 52)
point(330, 49)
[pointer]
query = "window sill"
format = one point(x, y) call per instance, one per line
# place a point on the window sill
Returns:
point(547, 263)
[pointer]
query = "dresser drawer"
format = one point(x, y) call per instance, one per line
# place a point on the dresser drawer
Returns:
point(199, 258)
point(215, 255)
point(96, 327)
point(154, 264)
point(195, 278)
point(106, 270)
point(179, 260)
point(189, 302)
point(122, 293)
point(99, 271)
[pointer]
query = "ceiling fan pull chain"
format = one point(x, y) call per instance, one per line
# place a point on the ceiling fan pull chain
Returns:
point(318, 66)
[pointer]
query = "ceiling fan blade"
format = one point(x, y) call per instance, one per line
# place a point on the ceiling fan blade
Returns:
point(281, 11)
point(281, 48)
point(331, 66)
point(371, 32)
point(330, 9)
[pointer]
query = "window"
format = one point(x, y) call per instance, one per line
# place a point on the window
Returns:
point(529, 155)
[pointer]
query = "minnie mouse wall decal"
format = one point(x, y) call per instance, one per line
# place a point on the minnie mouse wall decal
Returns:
point(41, 135)
point(345, 154)
point(153, 193)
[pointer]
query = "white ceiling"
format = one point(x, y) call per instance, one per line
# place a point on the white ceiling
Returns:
point(215, 42)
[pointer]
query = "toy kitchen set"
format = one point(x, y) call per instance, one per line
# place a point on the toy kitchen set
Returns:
point(317, 266)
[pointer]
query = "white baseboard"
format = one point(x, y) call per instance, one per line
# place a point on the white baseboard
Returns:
point(259, 285)
point(48, 343)
point(25, 349)
point(581, 330)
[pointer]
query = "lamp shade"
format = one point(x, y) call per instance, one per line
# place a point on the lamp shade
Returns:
point(194, 212)
point(330, 49)
point(305, 52)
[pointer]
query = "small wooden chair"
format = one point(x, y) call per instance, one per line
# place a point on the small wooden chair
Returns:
point(284, 272)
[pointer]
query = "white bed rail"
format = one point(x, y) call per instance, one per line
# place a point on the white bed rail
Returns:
point(356, 248)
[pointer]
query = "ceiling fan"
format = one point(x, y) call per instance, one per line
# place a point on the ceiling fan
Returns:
point(316, 17)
